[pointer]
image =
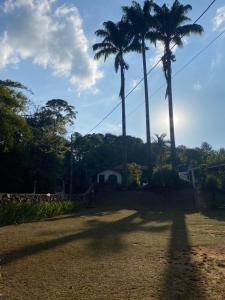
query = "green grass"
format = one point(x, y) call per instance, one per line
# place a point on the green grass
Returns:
point(12, 213)
point(127, 248)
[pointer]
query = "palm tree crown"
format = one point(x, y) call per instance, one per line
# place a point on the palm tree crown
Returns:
point(116, 41)
point(170, 28)
point(140, 19)
point(169, 23)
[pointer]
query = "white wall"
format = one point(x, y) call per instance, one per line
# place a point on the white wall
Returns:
point(107, 173)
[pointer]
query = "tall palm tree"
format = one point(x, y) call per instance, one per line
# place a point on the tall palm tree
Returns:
point(116, 41)
point(170, 29)
point(142, 23)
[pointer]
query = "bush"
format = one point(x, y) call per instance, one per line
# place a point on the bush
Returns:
point(212, 183)
point(13, 213)
point(165, 178)
point(134, 175)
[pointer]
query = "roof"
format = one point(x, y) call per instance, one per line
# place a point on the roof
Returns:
point(119, 168)
point(217, 164)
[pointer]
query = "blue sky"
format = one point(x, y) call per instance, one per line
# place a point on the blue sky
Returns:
point(46, 45)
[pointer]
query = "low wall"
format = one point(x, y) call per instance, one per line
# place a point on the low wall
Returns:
point(82, 199)
point(206, 199)
point(29, 198)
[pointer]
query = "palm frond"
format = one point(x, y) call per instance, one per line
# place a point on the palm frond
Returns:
point(154, 36)
point(134, 46)
point(101, 33)
point(177, 39)
point(117, 62)
point(104, 53)
point(188, 29)
point(101, 46)
point(148, 4)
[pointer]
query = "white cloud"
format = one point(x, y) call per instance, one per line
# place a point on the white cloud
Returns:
point(219, 18)
point(197, 86)
point(133, 84)
point(216, 61)
point(50, 38)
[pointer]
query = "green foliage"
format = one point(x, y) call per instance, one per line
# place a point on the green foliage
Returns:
point(161, 147)
point(12, 213)
point(14, 129)
point(165, 178)
point(212, 183)
point(134, 174)
point(32, 147)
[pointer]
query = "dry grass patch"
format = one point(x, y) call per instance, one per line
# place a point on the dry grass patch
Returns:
point(116, 253)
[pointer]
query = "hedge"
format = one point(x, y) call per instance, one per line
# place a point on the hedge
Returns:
point(15, 213)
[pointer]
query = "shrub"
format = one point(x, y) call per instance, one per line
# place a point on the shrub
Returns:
point(212, 183)
point(134, 175)
point(165, 178)
point(12, 213)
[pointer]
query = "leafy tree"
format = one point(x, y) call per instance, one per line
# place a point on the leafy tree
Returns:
point(171, 28)
point(49, 125)
point(116, 41)
point(134, 174)
point(142, 25)
point(13, 127)
point(47, 151)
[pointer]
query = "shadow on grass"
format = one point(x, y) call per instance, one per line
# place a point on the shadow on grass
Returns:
point(182, 278)
point(104, 237)
point(216, 214)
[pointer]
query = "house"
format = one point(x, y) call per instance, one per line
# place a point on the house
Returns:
point(183, 172)
point(217, 166)
point(113, 175)
point(211, 168)
point(109, 176)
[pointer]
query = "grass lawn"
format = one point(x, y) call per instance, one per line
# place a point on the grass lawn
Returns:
point(130, 247)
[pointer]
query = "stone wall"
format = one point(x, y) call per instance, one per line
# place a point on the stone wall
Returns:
point(83, 199)
point(29, 198)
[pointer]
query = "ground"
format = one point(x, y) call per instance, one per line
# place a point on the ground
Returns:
point(131, 246)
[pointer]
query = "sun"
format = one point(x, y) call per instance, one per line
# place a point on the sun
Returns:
point(180, 120)
point(176, 119)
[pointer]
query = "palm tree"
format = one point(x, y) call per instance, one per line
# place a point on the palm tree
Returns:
point(142, 23)
point(171, 29)
point(116, 41)
point(162, 146)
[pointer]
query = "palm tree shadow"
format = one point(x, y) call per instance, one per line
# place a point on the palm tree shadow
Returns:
point(182, 278)
point(103, 237)
point(110, 237)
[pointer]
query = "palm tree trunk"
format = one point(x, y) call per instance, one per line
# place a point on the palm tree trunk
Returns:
point(122, 95)
point(171, 119)
point(148, 134)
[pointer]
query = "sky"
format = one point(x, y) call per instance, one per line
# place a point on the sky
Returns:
point(47, 46)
